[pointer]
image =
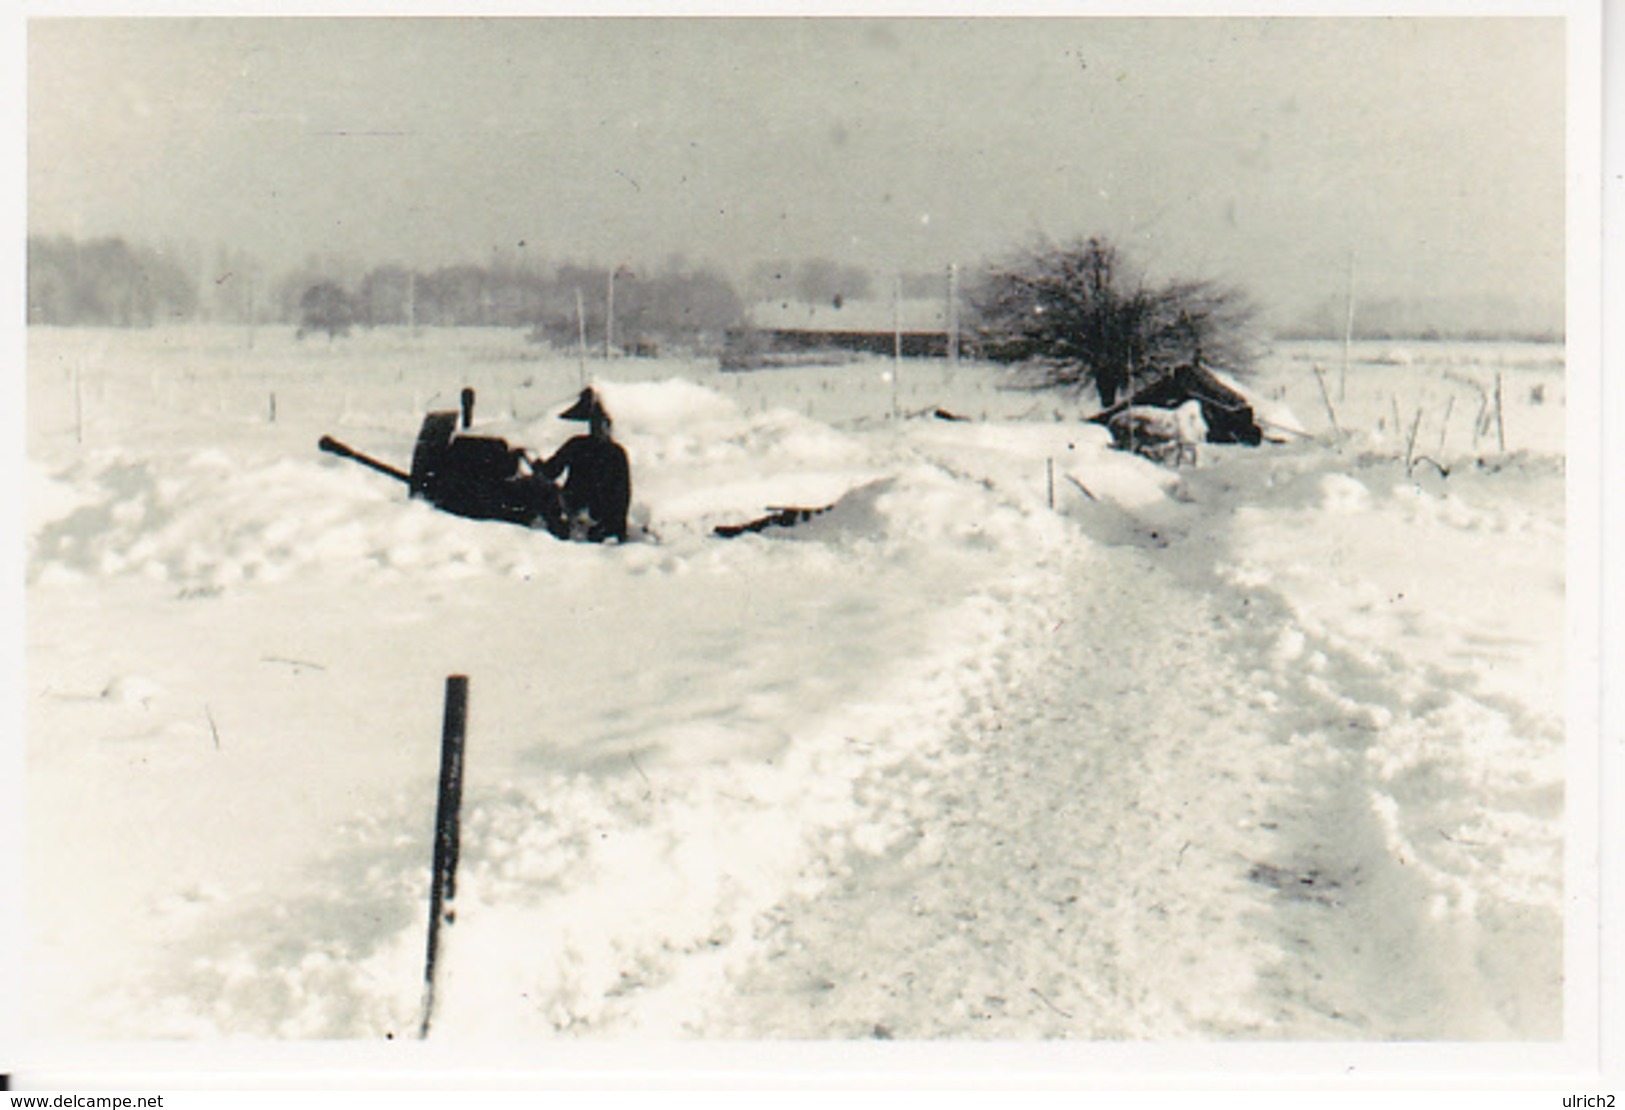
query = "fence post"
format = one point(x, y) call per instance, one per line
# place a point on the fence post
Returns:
point(1348, 335)
point(1500, 416)
point(443, 881)
point(1331, 412)
point(78, 407)
point(581, 337)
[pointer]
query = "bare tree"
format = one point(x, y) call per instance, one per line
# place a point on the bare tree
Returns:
point(1082, 316)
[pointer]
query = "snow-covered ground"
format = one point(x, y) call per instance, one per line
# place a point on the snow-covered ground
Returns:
point(1025, 738)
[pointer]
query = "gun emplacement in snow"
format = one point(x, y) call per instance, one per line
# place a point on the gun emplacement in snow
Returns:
point(487, 478)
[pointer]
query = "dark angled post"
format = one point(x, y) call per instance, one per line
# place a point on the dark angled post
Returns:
point(468, 407)
point(443, 882)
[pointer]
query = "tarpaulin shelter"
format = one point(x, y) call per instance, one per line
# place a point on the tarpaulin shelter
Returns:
point(1229, 414)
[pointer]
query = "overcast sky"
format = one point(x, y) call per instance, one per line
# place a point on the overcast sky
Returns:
point(1260, 151)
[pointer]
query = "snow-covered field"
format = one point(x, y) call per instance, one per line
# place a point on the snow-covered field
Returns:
point(1268, 749)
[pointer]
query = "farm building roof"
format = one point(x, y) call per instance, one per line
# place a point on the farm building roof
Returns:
point(850, 316)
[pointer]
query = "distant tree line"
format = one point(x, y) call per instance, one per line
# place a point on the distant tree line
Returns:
point(104, 282)
point(1076, 311)
point(111, 282)
point(1078, 308)
point(677, 308)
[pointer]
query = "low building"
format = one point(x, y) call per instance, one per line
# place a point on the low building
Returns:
point(789, 332)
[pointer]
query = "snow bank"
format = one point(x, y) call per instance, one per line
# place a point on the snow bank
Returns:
point(1207, 753)
point(640, 702)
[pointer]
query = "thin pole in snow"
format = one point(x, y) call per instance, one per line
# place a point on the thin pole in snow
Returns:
point(953, 317)
point(443, 882)
point(581, 336)
point(1348, 334)
point(1049, 469)
point(1500, 416)
point(1331, 412)
point(1410, 444)
point(78, 407)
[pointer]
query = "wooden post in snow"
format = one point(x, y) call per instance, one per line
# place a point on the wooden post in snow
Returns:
point(443, 881)
point(1444, 425)
point(609, 316)
point(1049, 471)
point(1410, 443)
point(1327, 397)
point(953, 317)
point(1348, 334)
point(581, 335)
point(1500, 416)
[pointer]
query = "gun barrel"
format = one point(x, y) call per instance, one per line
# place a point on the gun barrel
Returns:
point(333, 446)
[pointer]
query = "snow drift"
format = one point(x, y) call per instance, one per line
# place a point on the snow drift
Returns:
point(1025, 737)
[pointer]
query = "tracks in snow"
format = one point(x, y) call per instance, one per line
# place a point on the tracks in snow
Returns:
point(1177, 819)
point(1079, 869)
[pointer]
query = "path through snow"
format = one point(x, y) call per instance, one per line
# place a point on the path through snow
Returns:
point(1178, 820)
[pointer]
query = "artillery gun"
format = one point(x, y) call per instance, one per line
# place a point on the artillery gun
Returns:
point(479, 477)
